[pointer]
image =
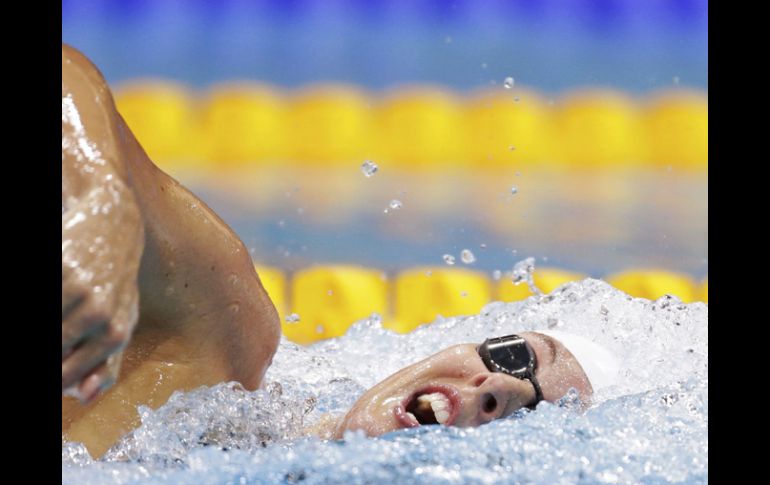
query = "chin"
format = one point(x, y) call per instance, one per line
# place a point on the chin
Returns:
point(372, 426)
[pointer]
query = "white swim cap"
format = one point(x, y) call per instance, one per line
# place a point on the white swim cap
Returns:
point(599, 364)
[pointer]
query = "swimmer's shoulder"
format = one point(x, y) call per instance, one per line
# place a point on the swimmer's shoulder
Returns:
point(75, 63)
point(88, 110)
point(85, 87)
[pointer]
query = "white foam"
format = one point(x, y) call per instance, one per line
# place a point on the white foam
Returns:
point(651, 425)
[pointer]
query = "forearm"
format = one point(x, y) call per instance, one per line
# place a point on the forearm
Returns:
point(102, 242)
point(103, 235)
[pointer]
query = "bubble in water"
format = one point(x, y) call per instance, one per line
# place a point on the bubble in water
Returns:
point(369, 168)
point(395, 204)
point(554, 323)
point(292, 318)
point(449, 259)
point(375, 318)
point(508, 83)
point(467, 256)
point(222, 433)
point(514, 190)
point(497, 274)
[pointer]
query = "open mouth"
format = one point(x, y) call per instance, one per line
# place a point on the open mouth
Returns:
point(429, 405)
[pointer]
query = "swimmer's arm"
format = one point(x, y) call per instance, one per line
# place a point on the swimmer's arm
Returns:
point(102, 232)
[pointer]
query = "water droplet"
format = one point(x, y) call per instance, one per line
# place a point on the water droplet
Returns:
point(292, 318)
point(522, 272)
point(497, 274)
point(514, 190)
point(395, 204)
point(508, 83)
point(369, 168)
point(467, 256)
point(449, 259)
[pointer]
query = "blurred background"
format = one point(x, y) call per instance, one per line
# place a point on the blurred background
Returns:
point(574, 132)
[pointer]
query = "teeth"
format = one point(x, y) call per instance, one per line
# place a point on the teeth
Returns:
point(411, 416)
point(427, 398)
point(442, 416)
point(439, 404)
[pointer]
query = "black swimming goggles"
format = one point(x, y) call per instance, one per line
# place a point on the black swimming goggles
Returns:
point(511, 355)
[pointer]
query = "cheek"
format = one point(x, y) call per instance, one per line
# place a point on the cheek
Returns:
point(369, 417)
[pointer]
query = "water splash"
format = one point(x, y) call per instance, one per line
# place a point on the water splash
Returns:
point(652, 427)
point(523, 272)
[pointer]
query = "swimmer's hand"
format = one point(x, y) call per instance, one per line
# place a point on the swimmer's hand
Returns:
point(102, 242)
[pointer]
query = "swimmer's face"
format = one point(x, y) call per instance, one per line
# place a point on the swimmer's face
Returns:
point(457, 389)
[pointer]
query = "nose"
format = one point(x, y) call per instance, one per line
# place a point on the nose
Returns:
point(492, 392)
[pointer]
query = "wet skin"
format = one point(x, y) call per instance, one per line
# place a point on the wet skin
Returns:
point(183, 306)
point(473, 395)
point(155, 283)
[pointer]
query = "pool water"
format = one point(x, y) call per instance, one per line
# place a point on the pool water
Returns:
point(649, 428)
point(596, 223)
